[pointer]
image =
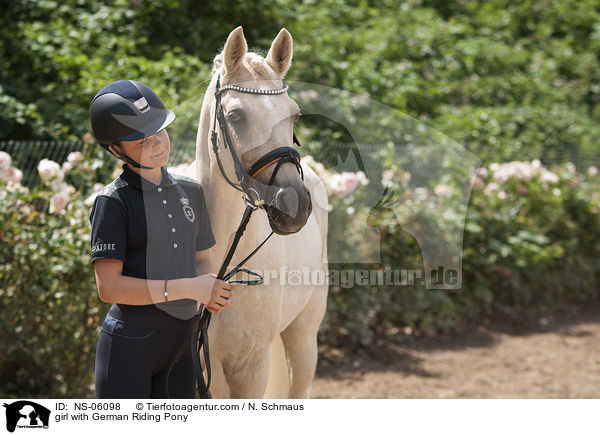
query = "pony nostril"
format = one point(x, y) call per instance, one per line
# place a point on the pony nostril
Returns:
point(278, 198)
point(286, 201)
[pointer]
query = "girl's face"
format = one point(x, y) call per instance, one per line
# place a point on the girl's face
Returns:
point(152, 151)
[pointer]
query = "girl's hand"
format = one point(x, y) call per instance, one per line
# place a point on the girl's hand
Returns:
point(216, 294)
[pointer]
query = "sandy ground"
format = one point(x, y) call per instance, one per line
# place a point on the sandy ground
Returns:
point(554, 357)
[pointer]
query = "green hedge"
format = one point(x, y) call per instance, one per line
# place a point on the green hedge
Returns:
point(516, 79)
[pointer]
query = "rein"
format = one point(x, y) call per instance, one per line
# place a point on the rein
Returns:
point(199, 337)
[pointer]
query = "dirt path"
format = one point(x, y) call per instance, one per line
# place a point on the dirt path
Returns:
point(558, 357)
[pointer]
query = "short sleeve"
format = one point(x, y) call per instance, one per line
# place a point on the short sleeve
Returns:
point(109, 229)
point(205, 238)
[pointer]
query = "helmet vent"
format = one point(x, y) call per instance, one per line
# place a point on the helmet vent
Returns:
point(142, 105)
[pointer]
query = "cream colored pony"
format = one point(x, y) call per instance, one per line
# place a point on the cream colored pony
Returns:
point(263, 317)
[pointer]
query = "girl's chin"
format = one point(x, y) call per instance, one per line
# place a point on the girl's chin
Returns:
point(158, 161)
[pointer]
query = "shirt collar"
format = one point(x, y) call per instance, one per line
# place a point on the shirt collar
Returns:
point(141, 183)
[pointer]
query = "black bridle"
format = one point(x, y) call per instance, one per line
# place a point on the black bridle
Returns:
point(279, 155)
point(199, 338)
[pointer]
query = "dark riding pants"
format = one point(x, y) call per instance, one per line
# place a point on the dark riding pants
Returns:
point(132, 362)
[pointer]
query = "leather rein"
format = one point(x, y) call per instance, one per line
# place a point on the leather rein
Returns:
point(199, 338)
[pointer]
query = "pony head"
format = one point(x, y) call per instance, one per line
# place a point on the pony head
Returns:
point(259, 124)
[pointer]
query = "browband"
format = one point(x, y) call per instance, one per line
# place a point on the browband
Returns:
point(253, 91)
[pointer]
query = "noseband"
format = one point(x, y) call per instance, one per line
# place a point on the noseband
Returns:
point(199, 338)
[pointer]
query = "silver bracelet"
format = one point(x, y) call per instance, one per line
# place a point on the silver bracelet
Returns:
point(166, 293)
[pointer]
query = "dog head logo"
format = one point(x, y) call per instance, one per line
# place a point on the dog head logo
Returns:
point(26, 414)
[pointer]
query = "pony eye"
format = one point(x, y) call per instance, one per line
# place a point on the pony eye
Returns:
point(234, 116)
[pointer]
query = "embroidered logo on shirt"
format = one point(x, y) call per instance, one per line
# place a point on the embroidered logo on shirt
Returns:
point(187, 210)
point(103, 247)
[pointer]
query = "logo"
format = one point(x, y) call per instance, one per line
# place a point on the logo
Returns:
point(26, 414)
point(187, 210)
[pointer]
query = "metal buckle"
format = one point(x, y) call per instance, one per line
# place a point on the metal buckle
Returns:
point(255, 202)
point(260, 279)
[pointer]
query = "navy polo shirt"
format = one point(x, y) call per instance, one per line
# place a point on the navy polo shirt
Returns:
point(155, 230)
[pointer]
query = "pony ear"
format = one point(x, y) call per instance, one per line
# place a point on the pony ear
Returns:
point(280, 53)
point(235, 50)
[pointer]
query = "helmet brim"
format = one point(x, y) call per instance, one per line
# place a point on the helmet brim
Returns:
point(146, 130)
point(169, 119)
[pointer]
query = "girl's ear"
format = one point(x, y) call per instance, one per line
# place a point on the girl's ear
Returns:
point(235, 50)
point(116, 148)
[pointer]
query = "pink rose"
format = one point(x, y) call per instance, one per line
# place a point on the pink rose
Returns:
point(387, 176)
point(11, 175)
point(49, 170)
point(17, 176)
point(477, 183)
point(5, 160)
point(349, 181)
point(59, 202)
point(362, 178)
point(491, 188)
point(443, 190)
point(74, 157)
point(549, 177)
point(66, 167)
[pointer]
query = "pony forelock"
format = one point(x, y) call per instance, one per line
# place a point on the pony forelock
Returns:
point(254, 62)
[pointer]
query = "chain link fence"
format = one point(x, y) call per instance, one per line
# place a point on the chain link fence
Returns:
point(26, 154)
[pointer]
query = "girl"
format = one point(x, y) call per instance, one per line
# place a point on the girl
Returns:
point(150, 236)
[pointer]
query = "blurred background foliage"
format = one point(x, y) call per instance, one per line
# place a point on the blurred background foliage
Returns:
point(517, 80)
point(511, 81)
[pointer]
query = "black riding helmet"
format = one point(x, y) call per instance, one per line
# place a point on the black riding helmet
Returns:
point(127, 110)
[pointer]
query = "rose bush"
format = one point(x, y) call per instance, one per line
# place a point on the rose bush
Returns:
point(530, 246)
point(49, 307)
